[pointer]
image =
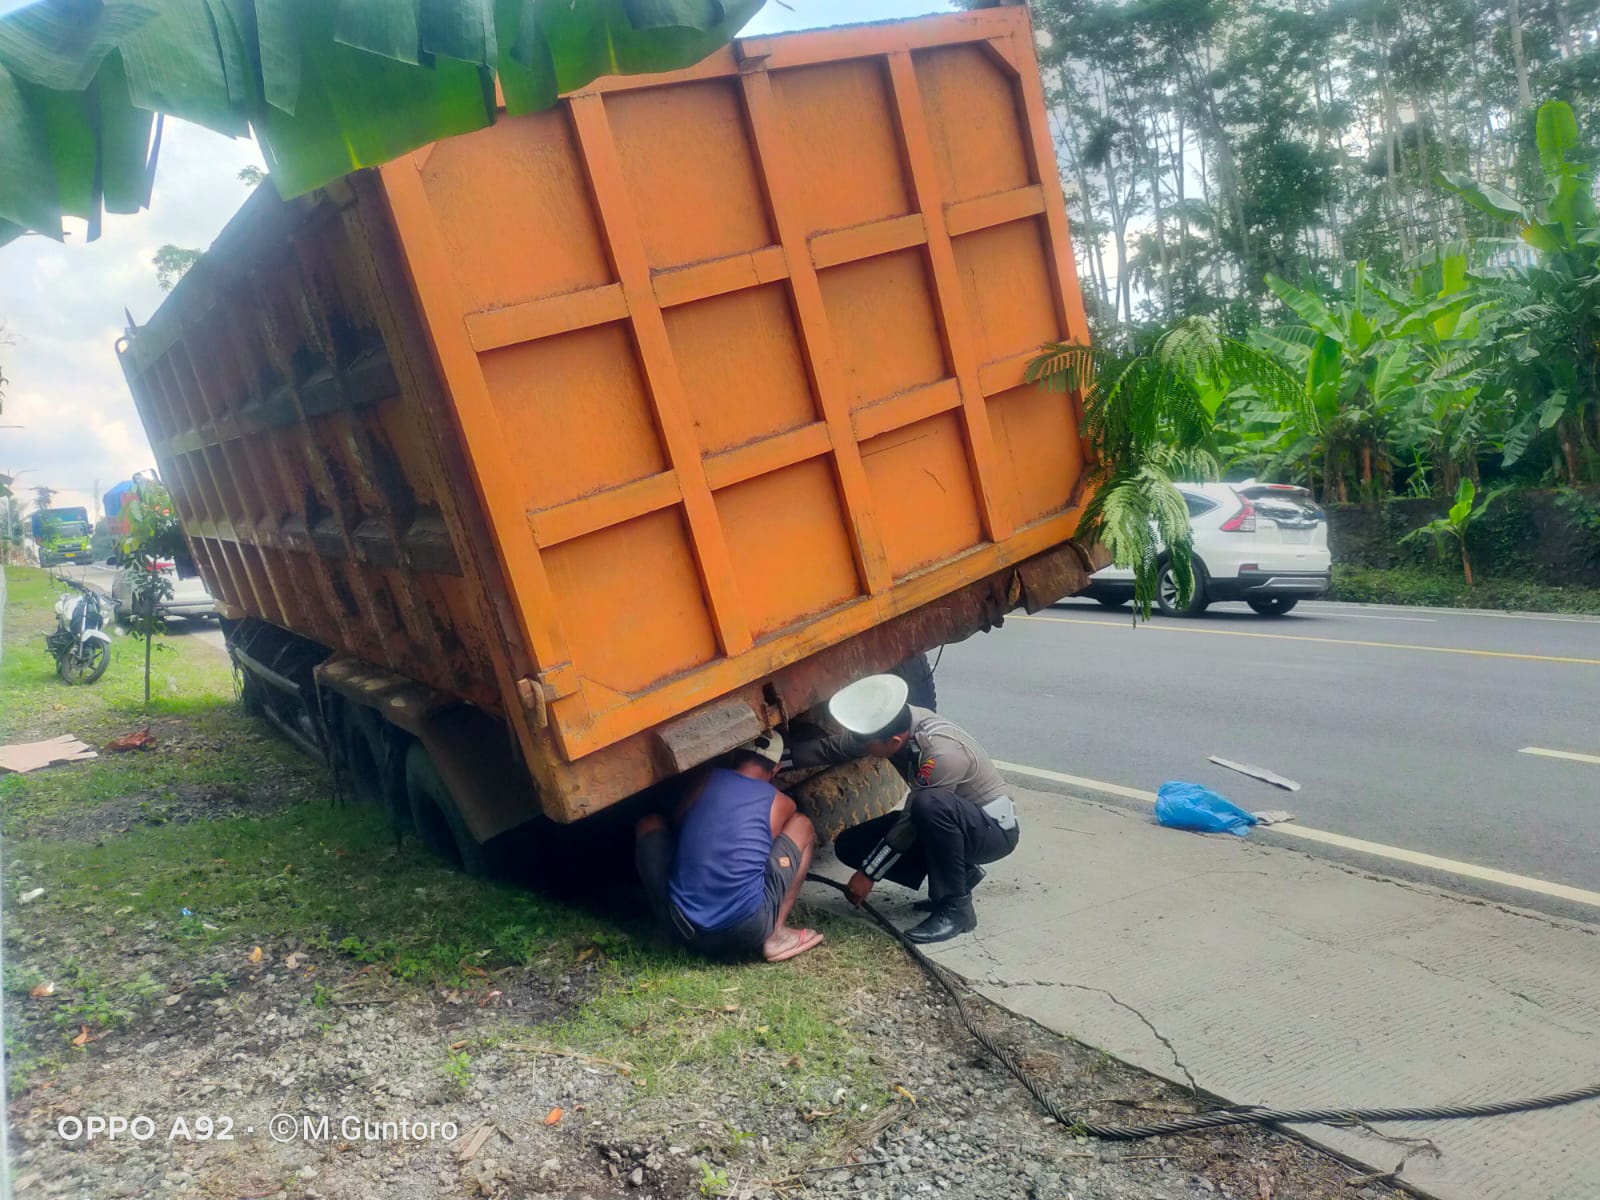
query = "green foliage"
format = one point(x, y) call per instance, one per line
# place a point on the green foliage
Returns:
point(713, 1180)
point(172, 263)
point(326, 86)
point(1150, 418)
point(1453, 526)
point(1582, 512)
point(458, 1069)
point(1546, 360)
point(1427, 586)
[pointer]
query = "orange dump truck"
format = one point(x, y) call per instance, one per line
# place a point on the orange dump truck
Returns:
point(543, 464)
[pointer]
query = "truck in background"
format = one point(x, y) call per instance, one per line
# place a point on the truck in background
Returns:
point(546, 463)
point(62, 534)
point(114, 503)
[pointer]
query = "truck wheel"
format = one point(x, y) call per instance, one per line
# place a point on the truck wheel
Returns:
point(846, 796)
point(374, 753)
point(438, 822)
point(252, 694)
point(918, 675)
point(361, 742)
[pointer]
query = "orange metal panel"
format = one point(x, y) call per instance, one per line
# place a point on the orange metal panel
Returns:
point(701, 281)
point(535, 319)
point(767, 455)
point(797, 253)
point(906, 408)
point(864, 241)
point(700, 375)
point(937, 177)
point(632, 247)
point(786, 190)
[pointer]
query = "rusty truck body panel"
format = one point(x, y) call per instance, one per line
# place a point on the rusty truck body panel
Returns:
point(645, 422)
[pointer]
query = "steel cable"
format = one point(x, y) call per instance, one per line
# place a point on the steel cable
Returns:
point(1199, 1122)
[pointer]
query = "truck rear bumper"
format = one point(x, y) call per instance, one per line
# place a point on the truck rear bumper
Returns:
point(570, 790)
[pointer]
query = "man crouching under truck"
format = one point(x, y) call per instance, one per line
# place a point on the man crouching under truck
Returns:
point(958, 815)
point(723, 876)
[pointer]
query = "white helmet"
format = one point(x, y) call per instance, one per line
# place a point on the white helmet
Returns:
point(870, 705)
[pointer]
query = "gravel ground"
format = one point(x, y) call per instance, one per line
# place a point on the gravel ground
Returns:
point(316, 1039)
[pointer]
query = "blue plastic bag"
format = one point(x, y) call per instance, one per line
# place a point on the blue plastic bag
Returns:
point(1189, 806)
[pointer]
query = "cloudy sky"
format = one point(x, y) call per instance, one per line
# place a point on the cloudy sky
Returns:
point(62, 305)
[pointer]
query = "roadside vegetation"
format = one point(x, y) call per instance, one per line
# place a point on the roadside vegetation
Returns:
point(1441, 589)
point(222, 838)
point(1394, 203)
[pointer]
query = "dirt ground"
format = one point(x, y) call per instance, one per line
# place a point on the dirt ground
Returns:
point(530, 1119)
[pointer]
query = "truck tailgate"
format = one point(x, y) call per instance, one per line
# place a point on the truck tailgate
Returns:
point(737, 353)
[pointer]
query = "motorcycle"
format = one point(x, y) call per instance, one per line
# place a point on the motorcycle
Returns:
point(80, 644)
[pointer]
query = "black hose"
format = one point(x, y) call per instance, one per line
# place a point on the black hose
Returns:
point(1222, 1117)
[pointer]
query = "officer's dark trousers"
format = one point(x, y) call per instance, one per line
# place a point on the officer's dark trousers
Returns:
point(951, 834)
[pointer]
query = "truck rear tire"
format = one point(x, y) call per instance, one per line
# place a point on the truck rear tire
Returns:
point(374, 756)
point(846, 796)
point(438, 822)
point(361, 743)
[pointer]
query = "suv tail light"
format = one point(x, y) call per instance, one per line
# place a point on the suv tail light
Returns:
point(1243, 521)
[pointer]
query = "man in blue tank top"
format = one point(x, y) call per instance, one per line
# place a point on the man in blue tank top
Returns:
point(723, 875)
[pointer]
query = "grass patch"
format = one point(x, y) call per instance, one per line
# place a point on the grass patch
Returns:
point(205, 745)
point(187, 679)
point(665, 1012)
point(1413, 585)
point(163, 869)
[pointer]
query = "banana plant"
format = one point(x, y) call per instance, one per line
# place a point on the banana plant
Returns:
point(1357, 358)
point(1550, 359)
point(1385, 366)
point(1453, 526)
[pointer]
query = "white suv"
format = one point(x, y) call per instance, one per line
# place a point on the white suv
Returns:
point(1263, 543)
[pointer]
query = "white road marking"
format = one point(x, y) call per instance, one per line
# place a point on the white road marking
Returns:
point(1570, 619)
point(1386, 617)
point(1525, 883)
point(1568, 754)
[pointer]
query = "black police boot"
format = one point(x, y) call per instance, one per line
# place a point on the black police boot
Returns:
point(954, 916)
point(975, 876)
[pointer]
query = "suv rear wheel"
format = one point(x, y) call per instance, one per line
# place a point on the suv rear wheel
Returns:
point(1167, 592)
point(1273, 606)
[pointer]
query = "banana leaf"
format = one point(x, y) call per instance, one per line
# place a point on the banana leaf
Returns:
point(325, 86)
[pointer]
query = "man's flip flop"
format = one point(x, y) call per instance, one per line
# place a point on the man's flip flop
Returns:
point(804, 939)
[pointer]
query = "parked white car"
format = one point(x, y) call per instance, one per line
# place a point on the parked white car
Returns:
point(1263, 543)
point(189, 596)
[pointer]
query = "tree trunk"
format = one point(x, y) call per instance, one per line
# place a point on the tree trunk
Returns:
point(149, 645)
point(1569, 451)
point(1466, 563)
point(1181, 172)
point(1389, 121)
point(1154, 162)
point(1518, 58)
point(1069, 137)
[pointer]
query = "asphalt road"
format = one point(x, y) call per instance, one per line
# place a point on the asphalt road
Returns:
point(1403, 726)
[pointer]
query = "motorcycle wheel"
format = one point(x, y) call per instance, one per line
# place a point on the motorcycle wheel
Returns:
point(86, 663)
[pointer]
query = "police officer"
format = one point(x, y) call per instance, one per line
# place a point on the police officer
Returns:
point(958, 816)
